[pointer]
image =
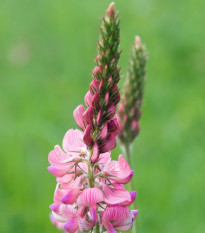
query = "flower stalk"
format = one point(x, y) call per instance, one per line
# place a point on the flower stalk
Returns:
point(131, 103)
point(89, 195)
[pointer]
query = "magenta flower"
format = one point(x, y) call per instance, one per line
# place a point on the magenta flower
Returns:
point(75, 202)
point(90, 191)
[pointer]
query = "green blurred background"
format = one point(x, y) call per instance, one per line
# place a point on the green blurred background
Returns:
point(47, 51)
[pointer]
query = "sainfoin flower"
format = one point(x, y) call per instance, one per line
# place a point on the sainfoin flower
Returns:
point(79, 204)
point(90, 191)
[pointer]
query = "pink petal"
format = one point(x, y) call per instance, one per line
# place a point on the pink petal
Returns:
point(116, 99)
point(114, 126)
point(116, 195)
point(68, 210)
point(135, 213)
point(90, 196)
point(77, 114)
point(120, 169)
point(110, 229)
point(109, 144)
point(121, 218)
point(70, 197)
point(65, 179)
point(88, 116)
point(73, 141)
point(126, 180)
point(55, 208)
point(87, 136)
point(99, 117)
point(95, 155)
point(94, 85)
point(106, 98)
point(71, 225)
point(101, 86)
point(58, 172)
point(133, 197)
point(95, 101)
point(135, 127)
point(105, 158)
point(111, 111)
point(103, 132)
point(58, 195)
point(85, 226)
point(88, 98)
point(57, 156)
point(59, 225)
point(93, 212)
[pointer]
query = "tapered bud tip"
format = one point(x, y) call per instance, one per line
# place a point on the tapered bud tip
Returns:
point(138, 41)
point(111, 10)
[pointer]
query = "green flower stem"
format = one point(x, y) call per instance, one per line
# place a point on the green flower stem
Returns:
point(127, 148)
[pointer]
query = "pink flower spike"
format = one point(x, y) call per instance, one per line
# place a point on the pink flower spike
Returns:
point(88, 116)
point(95, 155)
point(109, 144)
point(71, 225)
point(90, 196)
point(87, 136)
point(73, 141)
point(77, 114)
point(88, 98)
point(94, 86)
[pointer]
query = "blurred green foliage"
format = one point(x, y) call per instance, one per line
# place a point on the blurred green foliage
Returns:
point(47, 51)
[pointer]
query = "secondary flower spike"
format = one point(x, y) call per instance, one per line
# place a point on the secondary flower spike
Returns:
point(132, 97)
point(90, 193)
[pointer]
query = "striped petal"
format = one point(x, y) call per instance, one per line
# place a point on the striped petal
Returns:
point(77, 114)
point(118, 169)
point(90, 196)
point(116, 195)
point(71, 225)
point(85, 226)
point(121, 218)
point(58, 156)
point(73, 141)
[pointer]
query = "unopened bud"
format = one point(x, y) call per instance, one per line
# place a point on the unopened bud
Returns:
point(137, 42)
point(110, 13)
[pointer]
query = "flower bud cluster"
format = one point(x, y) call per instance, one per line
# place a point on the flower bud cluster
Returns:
point(133, 90)
point(89, 194)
